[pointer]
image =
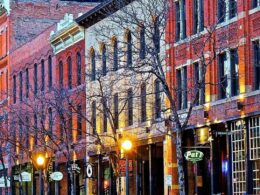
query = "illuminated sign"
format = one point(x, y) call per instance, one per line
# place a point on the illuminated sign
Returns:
point(194, 155)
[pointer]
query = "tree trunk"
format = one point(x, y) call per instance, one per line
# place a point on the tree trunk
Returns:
point(180, 161)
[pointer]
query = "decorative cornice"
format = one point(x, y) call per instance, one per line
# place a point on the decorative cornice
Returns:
point(67, 33)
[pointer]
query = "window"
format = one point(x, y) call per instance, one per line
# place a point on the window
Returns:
point(69, 72)
point(50, 121)
point(116, 112)
point(227, 9)
point(199, 84)
point(256, 62)
point(156, 35)
point(21, 86)
point(255, 3)
point(130, 106)
point(35, 129)
point(198, 16)
point(115, 55)
point(43, 75)
point(27, 82)
point(129, 50)
point(105, 114)
point(21, 131)
point(61, 73)
point(93, 66)
point(143, 102)
point(142, 43)
point(78, 68)
point(14, 89)
point(104, 61)
point(180, 18)
point(157, 101)
point(93, 118)
point(79, 121)
point(228, 74)
point(27, 131)
point(35, 79)
point(182, 88)
point(50, 71)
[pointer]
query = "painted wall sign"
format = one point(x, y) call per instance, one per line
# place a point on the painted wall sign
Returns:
point(194, 155)
point(56, 176)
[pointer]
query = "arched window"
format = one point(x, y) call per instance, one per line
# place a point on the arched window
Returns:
point(130, 106)
point(27, 83)
point(142, 43)
point(35, 79)
point(43, 75)
point(93, 66)
point(69, 62)
point(78, 68)
point(14, 89)
point(50, 71)
point(21, 86)
point(129, 50)
point(156, 35)
point(104, 61)
point(157, 101)
point(50, 120)
point(115, 55)
point(79, 121)
point(61, 73)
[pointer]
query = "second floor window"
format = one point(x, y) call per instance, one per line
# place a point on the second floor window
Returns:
point(256, 63)
point(105, 114)
point(78, 68)
point(61, 73)
point(21, 86)
point(104, 60)
point(14, 89)
point(142, 43)
point(116, 112)
point(43, 75)
point(35, 79)
point(198, 84)
point(182, 88)
point(143, 102)
point(35, 129)
point(157, 100)
point(198, 16)
point(180, 20)
point(93, 117)
point(27, 83)
point(93, 66)
point(50, 71)
point(79, 121)
point(69, 62)
point(50, 121)
point(228, 74)
point(156, 35)
point(130, 109)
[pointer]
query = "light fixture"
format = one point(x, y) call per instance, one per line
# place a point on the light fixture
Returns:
point(206, 114)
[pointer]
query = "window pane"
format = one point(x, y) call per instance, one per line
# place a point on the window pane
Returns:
point(69, 72)
point(78, 68)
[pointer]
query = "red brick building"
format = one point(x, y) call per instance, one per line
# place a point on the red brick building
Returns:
point(225, 123)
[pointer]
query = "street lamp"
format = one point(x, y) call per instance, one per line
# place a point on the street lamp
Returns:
point(126, 146)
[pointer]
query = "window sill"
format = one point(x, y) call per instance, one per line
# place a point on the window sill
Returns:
point(254, 10)
point(228, 22)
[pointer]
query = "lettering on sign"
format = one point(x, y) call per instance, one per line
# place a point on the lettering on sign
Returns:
point(193, 155)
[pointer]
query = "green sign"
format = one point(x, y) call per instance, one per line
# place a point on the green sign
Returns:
point(194, 155)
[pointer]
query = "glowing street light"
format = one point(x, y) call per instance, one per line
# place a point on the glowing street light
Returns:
point(127, 145)
point(40, 160)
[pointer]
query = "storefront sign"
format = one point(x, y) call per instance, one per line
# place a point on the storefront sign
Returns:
point(56, 176)
point(193, 155)
point(2, 182)
point(89, 170)
point(122, 167)
point(25, 176)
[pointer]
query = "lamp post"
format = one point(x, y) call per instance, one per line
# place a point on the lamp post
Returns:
point(126, 146)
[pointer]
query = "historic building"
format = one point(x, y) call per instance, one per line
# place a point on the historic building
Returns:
point(225, 123)
point(121, 105)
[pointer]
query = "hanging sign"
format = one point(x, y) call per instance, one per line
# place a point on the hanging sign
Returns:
point(25, 176)
point(194, 155)
point(56, 176)
point(89, 170)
